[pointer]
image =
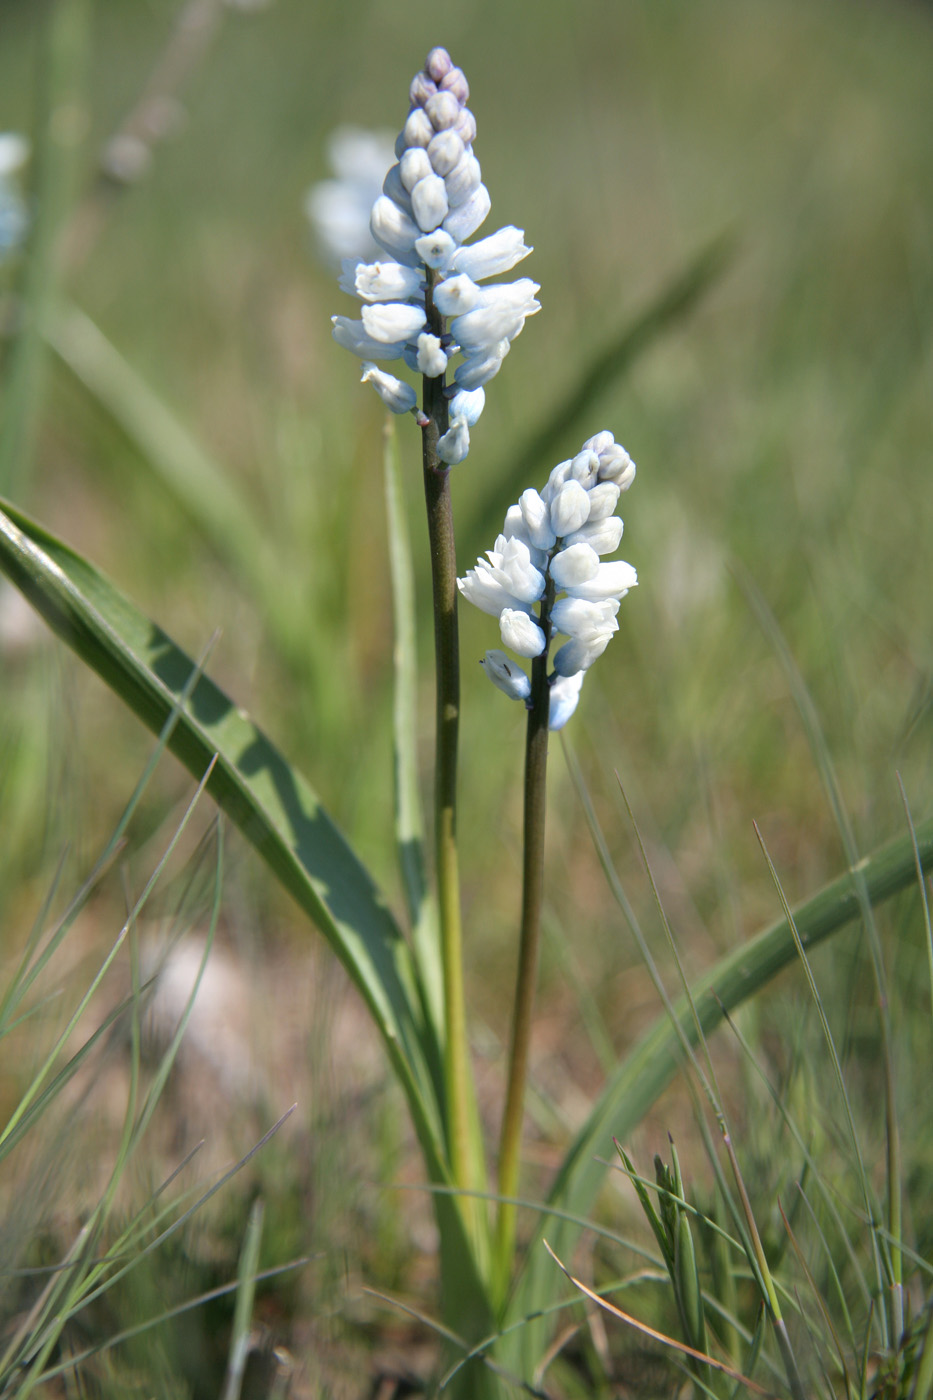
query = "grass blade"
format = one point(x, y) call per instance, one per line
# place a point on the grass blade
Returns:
point(652, 1064)
point(243, 1313)
point(251, 781)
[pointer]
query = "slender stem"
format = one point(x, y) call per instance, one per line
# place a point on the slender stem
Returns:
point(532, 894)
point(447, 662)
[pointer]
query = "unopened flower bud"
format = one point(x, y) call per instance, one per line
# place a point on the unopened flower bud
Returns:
point(394, 189)
point(537, 519)
point(422, 87)
point(456, 295)
point(431, 361)
point(397, 396)
point(520, 633)
point(453, 447)
point(418, 129)
point(612, 580)
point(492, 256)
point(445, 151)
point(353, 336)
point(565, 693)
point(435, 249)
point(468, 404)
point(438, 64)
point(569, 507)
point(429, 202)
point(443, 109)
point(604, 536)
point(465, 219)
point(394, 230)
point(413, 166)
point(392, 320)
point(466, 127)
point(506, 675)
point(455, 81)
point(574, 566)
point(463, 180)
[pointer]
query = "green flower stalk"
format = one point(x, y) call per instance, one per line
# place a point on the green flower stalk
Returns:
point(423, 306)
point(548, 557)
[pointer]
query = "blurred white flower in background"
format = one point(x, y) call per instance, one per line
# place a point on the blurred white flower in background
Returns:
point(339, 209)
point(14, 218)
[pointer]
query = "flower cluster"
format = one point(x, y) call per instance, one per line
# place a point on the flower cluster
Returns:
point(433, 199)
point(549, 555)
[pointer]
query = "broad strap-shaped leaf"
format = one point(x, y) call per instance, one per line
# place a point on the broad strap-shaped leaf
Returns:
point(252, 782)
point(652, 1063)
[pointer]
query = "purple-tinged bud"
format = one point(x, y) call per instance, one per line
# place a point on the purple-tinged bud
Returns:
point(438, 64)
point(429, 202)
point(413, 166)
point(445, 151)
point(431, 360)
point(466, 218)
point(463, 180)
point(466, 127)
point(435, 249)
point(394, 230)
point(443, 110)
point(455, 81)
point(521, 633)
point(422, 87)
point(418, 129)
point(504, 673)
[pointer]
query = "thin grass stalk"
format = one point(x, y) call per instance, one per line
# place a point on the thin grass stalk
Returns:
point(60, 84)
point(536, 744)
point(447, 679)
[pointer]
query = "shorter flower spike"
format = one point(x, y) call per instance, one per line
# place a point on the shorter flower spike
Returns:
point(550, 545)
point(431, 201)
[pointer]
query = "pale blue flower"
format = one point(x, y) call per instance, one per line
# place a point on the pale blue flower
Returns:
point(431, 201)
point(504, 673)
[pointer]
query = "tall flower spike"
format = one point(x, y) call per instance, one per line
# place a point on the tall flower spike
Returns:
point(549, 555)
point(433, 199)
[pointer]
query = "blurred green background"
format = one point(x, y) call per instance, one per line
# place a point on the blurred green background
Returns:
point(781, 423)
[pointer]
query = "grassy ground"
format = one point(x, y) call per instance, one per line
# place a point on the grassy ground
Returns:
point(783, 434)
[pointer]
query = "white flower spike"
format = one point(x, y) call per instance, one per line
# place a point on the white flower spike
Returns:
point(432, 200)
point(551, 544)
